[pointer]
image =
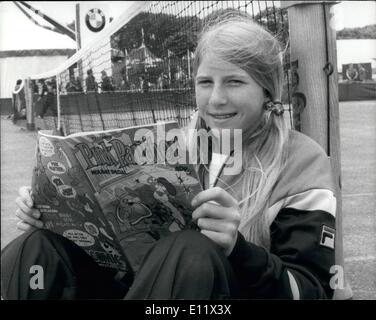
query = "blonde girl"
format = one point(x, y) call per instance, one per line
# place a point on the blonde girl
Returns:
point(267, 231)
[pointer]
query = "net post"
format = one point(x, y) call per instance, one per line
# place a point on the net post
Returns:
point(189, 64)
point(58, 101)
point(30, 121)
point(313, 52)
point(58, 84)
point(78, 27)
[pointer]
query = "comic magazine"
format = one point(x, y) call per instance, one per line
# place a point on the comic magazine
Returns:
point(116, 192)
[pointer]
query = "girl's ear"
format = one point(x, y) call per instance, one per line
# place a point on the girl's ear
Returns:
point(267, 95)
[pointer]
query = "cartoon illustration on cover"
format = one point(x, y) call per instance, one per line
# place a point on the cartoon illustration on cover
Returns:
point(62, 195)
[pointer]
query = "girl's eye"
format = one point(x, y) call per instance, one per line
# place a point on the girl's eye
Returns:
point(235, 81)
point(204, 82)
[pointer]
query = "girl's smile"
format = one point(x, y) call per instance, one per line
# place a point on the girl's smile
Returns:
point(222, 116)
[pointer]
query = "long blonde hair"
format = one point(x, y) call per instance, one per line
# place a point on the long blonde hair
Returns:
point(234, 37)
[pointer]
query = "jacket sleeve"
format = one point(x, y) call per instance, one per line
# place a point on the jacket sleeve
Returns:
point(44, 107)
point(298, 263)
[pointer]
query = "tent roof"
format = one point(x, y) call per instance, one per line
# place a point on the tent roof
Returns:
point(37, 52)
point(17, 32)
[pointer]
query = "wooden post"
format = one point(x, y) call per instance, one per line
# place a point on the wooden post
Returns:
point(314, 57)
point(30, 121)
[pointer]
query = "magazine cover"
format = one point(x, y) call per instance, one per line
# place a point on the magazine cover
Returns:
point(115, 193)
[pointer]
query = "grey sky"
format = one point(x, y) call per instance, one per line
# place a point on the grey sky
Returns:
point(17, 32)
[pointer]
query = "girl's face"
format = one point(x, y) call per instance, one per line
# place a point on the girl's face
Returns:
point(227, 96)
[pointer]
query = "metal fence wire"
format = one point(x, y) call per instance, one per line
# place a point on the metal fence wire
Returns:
point(142, 73)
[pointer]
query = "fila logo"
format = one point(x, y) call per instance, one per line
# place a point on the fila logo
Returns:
point(327, 237)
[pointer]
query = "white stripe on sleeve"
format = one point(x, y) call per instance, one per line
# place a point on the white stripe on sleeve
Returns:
point(314, 199)
point(294, 286)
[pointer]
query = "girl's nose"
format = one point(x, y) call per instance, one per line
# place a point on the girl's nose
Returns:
point(218, 96)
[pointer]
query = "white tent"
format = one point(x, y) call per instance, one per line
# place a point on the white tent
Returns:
point(27, 49)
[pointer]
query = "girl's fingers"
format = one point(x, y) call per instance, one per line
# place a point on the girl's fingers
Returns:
point(22, 205)
point(216, 194)
point(210, 210)
point(216, 225)
point(21, 225)
point(28, 219)
point(29, 211)
point(25, 195)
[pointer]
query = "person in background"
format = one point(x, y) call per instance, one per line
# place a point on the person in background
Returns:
point(180, 77)
point(41, 91)
point(162, 81)
point(143, 84)
point(124, 85)
point(71, 85)
point(362, 73)
point(42, 88)
point(49, 107)
point(78, 84)
point(106, 84)
point(91, 84)
point(18, 102)
point(351, 73)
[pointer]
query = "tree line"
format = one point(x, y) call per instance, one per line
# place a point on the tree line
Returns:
point(367, 32)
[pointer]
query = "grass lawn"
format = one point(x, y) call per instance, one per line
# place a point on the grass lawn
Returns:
point(358, 151)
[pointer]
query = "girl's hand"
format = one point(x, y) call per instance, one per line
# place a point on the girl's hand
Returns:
point(29, 216)
point(218, 217)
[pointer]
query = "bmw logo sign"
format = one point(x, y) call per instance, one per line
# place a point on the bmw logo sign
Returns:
point(95, 20)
